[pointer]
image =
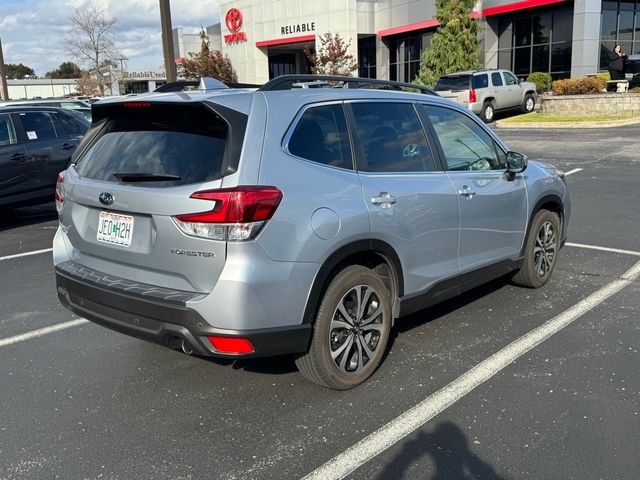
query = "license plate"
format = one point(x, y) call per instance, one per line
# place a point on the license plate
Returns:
point(114, 228)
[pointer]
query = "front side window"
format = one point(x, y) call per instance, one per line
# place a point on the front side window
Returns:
point(510, 79)
point(38, 126)
point(7, 131)
point(321, 136)
point(465, 144)
point(390, 138)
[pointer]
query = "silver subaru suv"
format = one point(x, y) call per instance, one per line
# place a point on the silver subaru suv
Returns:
point(238, 223)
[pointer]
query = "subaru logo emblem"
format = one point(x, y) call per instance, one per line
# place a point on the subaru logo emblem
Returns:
point(106, 198)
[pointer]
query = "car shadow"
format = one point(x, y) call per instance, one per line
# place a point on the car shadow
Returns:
point(448, 450)
point(25, 216)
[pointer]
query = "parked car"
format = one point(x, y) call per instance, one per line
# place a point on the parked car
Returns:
point(64, 103)
point(35, 144)
point(237, 224)
point(485, 92)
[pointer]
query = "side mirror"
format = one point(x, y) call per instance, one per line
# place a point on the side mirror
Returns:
point(519, 80)
point(516, 163)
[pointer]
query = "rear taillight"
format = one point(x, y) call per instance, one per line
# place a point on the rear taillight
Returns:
point(59, 197)
point(238, 213)
point(472, 96)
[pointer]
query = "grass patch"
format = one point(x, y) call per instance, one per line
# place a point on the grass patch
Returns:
point(539, 117)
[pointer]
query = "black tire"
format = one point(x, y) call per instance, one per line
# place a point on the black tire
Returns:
point(352, 365)
point(540, 251)
point(488, 112)
point(528, 104)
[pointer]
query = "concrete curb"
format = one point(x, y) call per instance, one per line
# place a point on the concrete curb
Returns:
point(601, 124)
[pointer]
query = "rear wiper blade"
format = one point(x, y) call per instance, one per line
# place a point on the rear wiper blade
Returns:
point(145, 177)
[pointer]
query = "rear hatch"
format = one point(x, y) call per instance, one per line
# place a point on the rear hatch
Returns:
point(128, 198)
point(455, 87)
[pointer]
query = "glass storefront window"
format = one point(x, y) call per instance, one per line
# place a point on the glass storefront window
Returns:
point(620, 24)
point(405, 52)
point(540, 58)
point(367, 57)
point(541, 28)
point(539, 42)
point(522, 31)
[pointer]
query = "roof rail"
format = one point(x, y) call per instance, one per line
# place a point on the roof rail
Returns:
point(286, 82)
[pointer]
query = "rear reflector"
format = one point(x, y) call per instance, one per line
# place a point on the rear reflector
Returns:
point(232, 345)
point(59, 197)
point(238, 213)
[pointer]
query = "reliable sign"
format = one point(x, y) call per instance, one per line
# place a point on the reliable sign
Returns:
point(233, 21)
point(299, 28)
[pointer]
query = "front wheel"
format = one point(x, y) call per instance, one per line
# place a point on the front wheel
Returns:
point(540, 251)
point(528, 104)
point(351, 330)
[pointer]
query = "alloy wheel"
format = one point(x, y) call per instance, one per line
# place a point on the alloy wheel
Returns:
point(356, 329)
point(544, 252)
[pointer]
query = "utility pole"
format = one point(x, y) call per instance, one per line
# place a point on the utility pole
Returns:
point(167, 41)
point(3, 75)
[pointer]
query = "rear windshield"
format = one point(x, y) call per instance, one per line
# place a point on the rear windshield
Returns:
point(186, 144)
point(453, 82)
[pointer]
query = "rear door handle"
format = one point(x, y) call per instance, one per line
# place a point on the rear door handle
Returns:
point(18, 157)
point(384, 200)
point(67, 146)
point(466, 192)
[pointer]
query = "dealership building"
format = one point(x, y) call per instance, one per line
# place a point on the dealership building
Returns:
point(565, 38)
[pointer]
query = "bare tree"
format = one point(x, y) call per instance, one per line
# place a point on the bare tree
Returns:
point(90, 39)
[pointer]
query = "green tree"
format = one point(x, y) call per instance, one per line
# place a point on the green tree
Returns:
point(454, 45)
point(19, 71)
point(65, 70)
point(208, 63)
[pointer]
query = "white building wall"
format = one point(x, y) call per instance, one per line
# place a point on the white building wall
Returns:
point(19, 89)
point(263, 20)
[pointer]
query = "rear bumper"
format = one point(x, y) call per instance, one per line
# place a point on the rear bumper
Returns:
point(162, 318)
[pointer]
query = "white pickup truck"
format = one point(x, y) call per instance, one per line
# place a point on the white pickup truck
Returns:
point(486, 91)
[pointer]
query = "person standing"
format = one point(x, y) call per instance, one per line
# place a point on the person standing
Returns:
point(616, 63)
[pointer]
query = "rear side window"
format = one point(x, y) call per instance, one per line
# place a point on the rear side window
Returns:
point(38, 126)
point(390, 138)
point(453, 82)
point(187, 142)
point(71, 126)
point(496, 79)
point(321, 136)
point(481, 81)
point(7, 131)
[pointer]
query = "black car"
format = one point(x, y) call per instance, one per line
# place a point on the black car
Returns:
point(35, 144)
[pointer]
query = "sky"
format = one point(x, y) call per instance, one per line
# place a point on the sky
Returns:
point(33, 31)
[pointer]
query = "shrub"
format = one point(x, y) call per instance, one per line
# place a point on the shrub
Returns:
point(541, 79)
point(578, 86)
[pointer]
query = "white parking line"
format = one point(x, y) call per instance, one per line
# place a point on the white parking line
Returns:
point(571, 172)
point(41, 331)
point(604, 249)
point(394, 431)
point(26, 254)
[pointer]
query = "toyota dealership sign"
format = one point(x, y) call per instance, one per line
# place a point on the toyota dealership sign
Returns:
point(233, 21)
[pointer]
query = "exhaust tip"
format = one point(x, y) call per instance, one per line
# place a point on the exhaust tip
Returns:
point(186, 347)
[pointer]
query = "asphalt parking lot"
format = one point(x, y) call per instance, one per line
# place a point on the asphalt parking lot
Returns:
point(85, 402)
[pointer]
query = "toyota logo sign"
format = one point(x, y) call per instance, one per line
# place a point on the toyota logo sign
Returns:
point(233, 20)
